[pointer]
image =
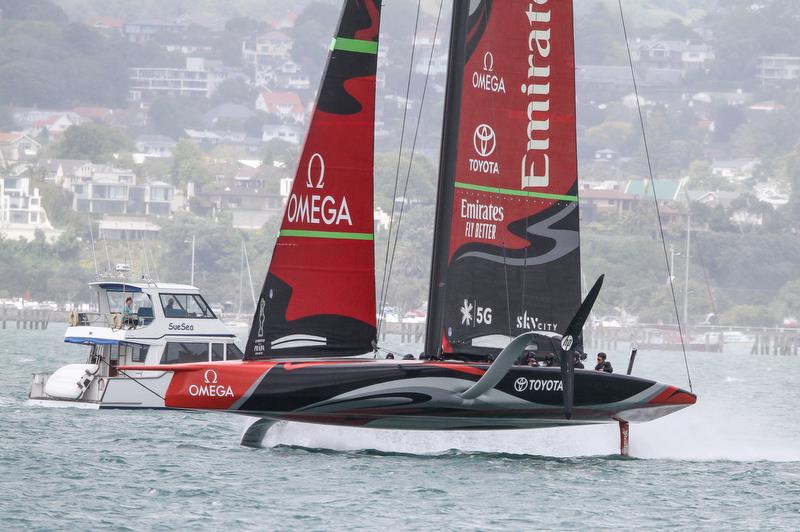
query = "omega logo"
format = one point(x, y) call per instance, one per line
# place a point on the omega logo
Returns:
point(320, 181)
point(488, 62)
point(210, 376)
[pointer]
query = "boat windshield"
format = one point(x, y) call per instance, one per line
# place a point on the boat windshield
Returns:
point(140, 311)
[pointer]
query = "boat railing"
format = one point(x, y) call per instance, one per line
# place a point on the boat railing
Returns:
point(113, 320)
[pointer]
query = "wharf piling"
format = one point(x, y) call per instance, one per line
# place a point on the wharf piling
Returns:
point(34, 319)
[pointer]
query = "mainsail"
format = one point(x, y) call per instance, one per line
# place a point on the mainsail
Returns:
point(319, 297)
point(506, 251)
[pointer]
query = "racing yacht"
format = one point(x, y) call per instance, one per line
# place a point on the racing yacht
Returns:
point(170, 324)
point(505, 291)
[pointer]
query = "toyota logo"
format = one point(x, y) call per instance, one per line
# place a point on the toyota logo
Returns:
point(521, 384)
point(210, 376)
point(484, 140)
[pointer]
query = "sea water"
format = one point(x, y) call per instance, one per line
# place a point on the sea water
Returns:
point(730, 462)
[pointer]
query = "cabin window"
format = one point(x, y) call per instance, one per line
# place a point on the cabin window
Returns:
point(184, 352)
point(234, 353)
point(185, 306)
point(133, 352)
point(217, 352)
point(142, 304)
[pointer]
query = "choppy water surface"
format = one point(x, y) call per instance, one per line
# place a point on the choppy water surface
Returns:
point(730, 462)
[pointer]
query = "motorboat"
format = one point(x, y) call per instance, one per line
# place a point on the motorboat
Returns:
point(164, 324)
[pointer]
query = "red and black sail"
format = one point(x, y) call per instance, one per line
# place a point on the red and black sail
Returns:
point(319, 296)
point(506, 252)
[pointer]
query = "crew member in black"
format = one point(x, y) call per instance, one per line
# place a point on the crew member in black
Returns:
point(578, 364)
point(603, 364)
point(549, 360)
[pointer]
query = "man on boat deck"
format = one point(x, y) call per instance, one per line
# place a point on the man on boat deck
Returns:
point(128, 315)
point(603, 364)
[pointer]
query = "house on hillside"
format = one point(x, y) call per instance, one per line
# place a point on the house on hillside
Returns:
point(21, 210)
point(65, 172)
point(56, 124)
point(290, 134)
point(197, 78)
point(16, 146)
point(127, 229)
point(107, 196)
point(155, 145)
point(595, 202)
point(685, 56)
point(266, 49)
point(94, 114)
point(735, 169)
point(142, 31)
point(227, 114)
point(779, 70)
point(713, 198)
point(286, 106)
point(666, 190)
point(106, 24)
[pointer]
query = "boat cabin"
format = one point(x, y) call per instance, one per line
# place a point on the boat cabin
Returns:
point(136, 323)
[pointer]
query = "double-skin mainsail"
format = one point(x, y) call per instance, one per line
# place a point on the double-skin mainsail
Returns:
point(506, 254)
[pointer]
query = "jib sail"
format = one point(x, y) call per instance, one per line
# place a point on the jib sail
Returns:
point(506, 251)
point(319, 298)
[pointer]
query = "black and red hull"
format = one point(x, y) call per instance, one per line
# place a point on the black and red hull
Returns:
point(415, 395)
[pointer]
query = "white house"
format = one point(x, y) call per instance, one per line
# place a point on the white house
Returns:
point(21, 210)
point(285, 105)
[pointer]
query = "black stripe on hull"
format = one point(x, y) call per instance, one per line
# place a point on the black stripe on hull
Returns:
point(427, 397)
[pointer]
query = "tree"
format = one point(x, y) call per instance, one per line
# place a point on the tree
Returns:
point(675, 29)
point(749, 315)
point(189, 164)
point(32, 10)
point(244, 26)
point(726, 119)
point(234, 90)
point(95, 142)
point(171, 115)
point(313, 21)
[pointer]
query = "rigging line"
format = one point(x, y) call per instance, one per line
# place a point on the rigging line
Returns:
point(699, 252)
point(413, 148)
point(94, 253)
point(153, 261)
point(655, 196)
point(249, 275)
point(134, 379)
point(108, 259)
point(384, 281)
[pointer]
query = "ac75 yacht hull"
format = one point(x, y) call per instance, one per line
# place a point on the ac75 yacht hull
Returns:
point(411, 395)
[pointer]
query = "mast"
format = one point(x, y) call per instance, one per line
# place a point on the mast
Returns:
point(447, 164)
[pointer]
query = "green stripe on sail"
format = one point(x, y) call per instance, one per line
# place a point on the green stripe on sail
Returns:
point(355, 45)
point(326, 234)
point(512, 192)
